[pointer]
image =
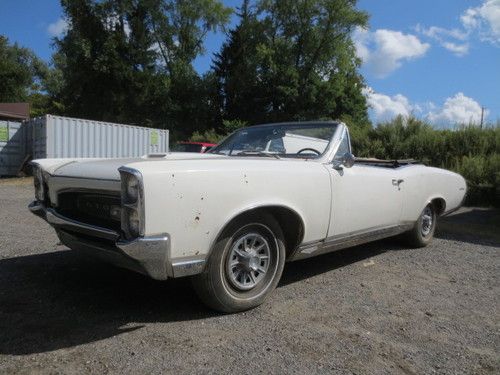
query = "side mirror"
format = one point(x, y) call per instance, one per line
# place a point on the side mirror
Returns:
point(347, 160)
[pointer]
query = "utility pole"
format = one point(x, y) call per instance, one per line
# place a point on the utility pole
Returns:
point(482, 117)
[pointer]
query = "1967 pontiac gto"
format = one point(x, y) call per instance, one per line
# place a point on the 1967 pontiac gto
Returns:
point(231, 218)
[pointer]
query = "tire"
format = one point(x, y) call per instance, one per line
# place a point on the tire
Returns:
point(238, 276)
point(423, 231)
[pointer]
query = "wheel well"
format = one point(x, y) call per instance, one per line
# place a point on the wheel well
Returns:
point(290, 222)
point(439, 205)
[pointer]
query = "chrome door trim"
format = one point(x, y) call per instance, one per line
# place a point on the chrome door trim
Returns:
point(351, 239)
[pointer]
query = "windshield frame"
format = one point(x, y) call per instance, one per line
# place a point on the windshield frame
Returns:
point(338, 127)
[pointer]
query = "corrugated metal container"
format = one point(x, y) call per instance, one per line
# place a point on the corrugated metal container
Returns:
point(65, 137)
point(12, 147)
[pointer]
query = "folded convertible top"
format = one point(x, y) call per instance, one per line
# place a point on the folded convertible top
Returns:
point(387, 163)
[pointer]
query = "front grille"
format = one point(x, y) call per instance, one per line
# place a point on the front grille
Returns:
point(100, 209)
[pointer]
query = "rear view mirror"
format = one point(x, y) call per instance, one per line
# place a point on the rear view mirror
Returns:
point(347, 160)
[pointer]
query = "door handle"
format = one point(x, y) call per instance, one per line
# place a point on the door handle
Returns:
point(397, 182)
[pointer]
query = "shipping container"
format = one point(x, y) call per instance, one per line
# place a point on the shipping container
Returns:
point(12, 147)
point(65, 137)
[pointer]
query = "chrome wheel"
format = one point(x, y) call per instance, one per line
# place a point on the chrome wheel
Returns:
point(427, 221)
point(248, 261)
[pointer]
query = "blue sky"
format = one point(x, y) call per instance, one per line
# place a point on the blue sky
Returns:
point(438, 59)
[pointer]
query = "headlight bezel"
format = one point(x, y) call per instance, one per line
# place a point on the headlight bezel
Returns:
point(132, 217)
point(39, 183)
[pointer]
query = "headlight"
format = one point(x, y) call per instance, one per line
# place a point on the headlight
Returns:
point(38, 182)
point(134, 223)
point(132, 213)
point(132, 189)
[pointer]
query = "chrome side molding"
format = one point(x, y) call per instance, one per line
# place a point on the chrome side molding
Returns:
point(188, 267)
point(343, 241)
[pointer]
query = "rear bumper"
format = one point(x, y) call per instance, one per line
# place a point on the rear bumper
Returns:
point(148, 255)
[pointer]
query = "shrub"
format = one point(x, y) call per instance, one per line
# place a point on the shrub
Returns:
point(210, 136)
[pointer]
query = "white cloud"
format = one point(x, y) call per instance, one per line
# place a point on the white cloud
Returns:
point(485, 19)
point(457, 49)
point(453, 40)
point(360, 38)
point(113, 23)
point(439, 32)
point(58, 28)
point(383, 51)
point(384, 107)
point(482, 21)
point(469, 18)
point(458, 109)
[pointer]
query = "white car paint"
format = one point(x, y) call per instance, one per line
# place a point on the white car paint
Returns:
point(190, 198)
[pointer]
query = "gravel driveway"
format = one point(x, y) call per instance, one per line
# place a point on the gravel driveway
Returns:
point(373, 309)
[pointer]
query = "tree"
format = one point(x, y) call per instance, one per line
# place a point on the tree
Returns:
point(241, 93)
point(131, 60)
point(292, 60)
point(22, 75)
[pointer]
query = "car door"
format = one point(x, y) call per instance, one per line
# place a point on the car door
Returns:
point(364, 197)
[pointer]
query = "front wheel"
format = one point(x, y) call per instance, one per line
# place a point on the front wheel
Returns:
point(423, 231)
point(245, 265)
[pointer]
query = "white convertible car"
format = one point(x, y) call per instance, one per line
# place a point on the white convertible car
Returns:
point(231, 218)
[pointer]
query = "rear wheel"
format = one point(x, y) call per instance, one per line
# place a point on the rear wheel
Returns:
point(423, 231)
point(245, 265)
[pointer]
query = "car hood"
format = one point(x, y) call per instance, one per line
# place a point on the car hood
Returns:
point(107, 169)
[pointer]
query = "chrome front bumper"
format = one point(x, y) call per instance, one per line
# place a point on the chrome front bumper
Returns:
point(147, 255)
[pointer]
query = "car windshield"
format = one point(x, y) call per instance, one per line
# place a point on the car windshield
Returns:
point(306, 140)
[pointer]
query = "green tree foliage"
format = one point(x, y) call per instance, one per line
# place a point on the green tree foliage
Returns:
point(210, 136)
point(22, 76)
point(131, 60)
point(292, 60)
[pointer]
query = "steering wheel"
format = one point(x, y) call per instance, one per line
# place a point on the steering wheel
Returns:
point(309, 149)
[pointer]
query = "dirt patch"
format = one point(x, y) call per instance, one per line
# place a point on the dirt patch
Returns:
point(16, 181)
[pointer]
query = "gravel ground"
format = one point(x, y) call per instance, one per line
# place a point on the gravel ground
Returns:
point(373, 309)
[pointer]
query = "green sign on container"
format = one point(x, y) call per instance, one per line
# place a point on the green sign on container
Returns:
point(154, 138)
point(4, 132)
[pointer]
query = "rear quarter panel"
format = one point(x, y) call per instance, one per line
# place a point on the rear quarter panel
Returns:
point(423, 184)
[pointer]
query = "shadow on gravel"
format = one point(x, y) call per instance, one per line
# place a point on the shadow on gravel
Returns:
point(478, 226)
point(304, 269)
point(61, 299)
